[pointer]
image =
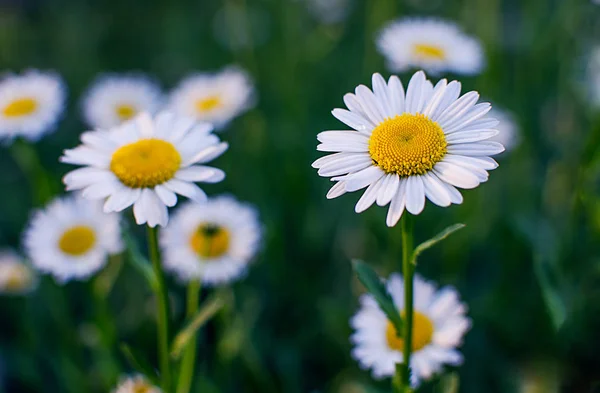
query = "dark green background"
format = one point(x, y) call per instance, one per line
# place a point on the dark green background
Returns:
point(527, 263)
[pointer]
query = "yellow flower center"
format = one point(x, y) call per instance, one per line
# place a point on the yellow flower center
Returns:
point(407, 144)
point(20, 107)
point(141, 387)
point(208, 103)
point(422, 333)
point(429, 52)
point(125, 111)
point(18, 278)
point(77, 240)
point(145, 163)
point(210, 240)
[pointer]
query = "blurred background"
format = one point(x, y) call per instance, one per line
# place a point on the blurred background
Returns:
point(527, 264)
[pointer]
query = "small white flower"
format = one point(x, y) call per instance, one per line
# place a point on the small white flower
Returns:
point(329, 11)
point(407, 148)
point(71, 238)
point(113, 99)
point(430, 44)
point(16, 278)
point(508, 129)
point(136, 384)
point(212, 242)
point(145, 162)
point(214, 98)
point(439, 324)
point(30, 104)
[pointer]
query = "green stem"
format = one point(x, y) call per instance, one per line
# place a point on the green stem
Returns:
point(408, 273)
point(39, 179)
point(186, 373)
point(163, 311)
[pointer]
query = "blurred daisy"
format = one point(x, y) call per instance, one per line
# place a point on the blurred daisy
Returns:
point(72, 238)
point(113, 99)
point(409, 147)
point(439, 324)
point(430, 44)
point(214, 98)
point(136, 384)
point(508, 129)
point(145, 162)
point(16, 278)
point(329, 11)
point(213, 241)
point(30, 104)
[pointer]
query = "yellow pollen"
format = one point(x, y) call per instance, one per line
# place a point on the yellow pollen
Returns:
point(429, 52)
point(20, 107)
point(208, 104)
point(18, 278)
point(422, 333)
point(407, 145)
point(125, 111)
point(77, 240)
point(145, 163)
point(210, 240)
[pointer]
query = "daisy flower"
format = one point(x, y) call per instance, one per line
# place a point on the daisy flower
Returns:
point(113, 99)
point(145, 162)
point(409, 147)
point(212, 242)
point(439, 324)
point(136, 384)
point(16, 278)
point(214, 98)
point(30, 104)
point(430, 44)
point(508, 129)
point(72, 238)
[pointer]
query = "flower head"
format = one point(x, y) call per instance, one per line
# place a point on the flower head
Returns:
point(214, 98)
point(30, 104)
point(114, 99)
point(136, 384)
point(430, 44)
point(16, 278)
point(212, 242)
point(145, 162)
point(439, 324)
point(71, 238)
point(409, 147)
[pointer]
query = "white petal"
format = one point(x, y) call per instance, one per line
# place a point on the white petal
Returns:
point(415, 195)
point(455, 175)
point(380, 89)
point(369, 196)
point(458, 107)
point(396, 92)
point(370, 104)
point(436, 99)
point(145, 125)
point(353, 104)
point(354, 120)
point(397, 204)
point(186, 189)
point(476, 149)
point(470, 136)
point(388, 189)
point(121, 199)
point(208, 154)
point(167, 196)
point(450, 95)
point(363, 178)
point(435, 190)
point(414, 92)
point(200, 173)
point(460, 122)
point(337, 190)
point(345, 163)
point(343, 137)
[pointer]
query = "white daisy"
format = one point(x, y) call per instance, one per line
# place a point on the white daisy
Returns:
point(16, 278)
point(113, 99)
point(145, 162)
point(214, 98)
point(72, 238)
point(409, 147)
point(136, 384)
point(508, 129)
point(439, 324)
point(329, 11)
point(213, 241)
point(30, 104)
point(430, 44)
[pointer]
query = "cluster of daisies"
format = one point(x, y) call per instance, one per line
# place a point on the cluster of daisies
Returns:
point(406, 145)
point(145, 151)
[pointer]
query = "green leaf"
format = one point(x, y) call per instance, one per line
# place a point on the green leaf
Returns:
point(435, 240)
point(138, 261)
point(449, 383)
point(139, 363)
point(372, 282)
point(204, 314)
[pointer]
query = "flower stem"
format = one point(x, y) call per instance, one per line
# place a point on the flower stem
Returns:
point(186, 373)
point(408, 273)
point(163, 311)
